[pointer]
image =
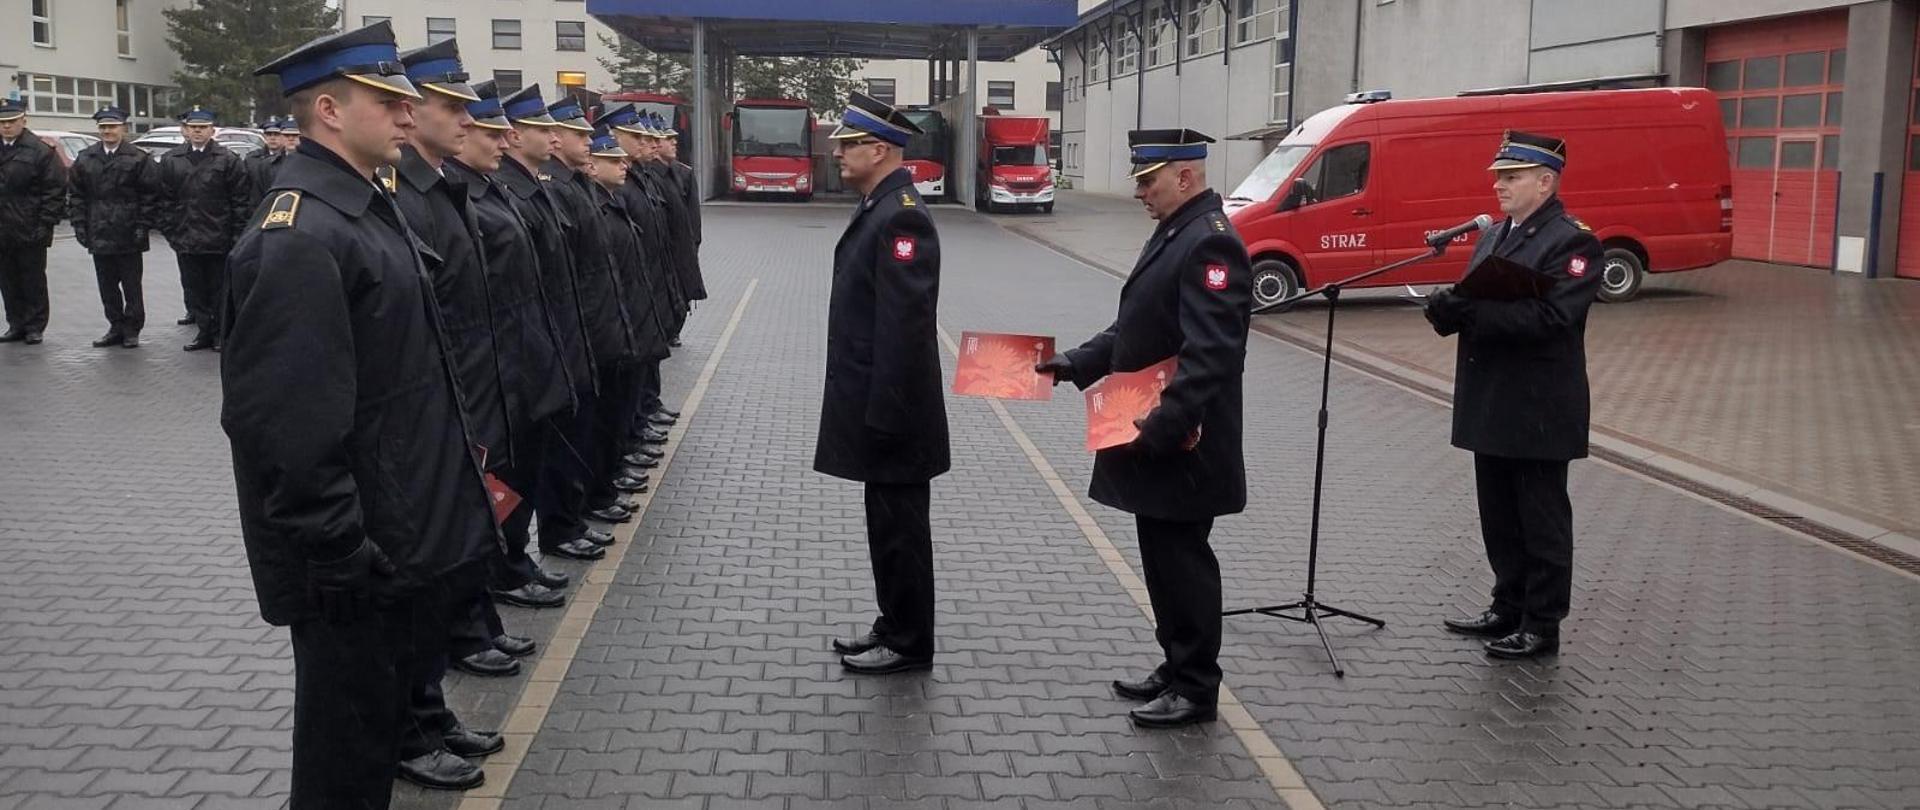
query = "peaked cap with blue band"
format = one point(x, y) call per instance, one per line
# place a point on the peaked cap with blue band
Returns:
point(110, 115)
point(603, 145)
point(868, 116)
point(625, 118)
point(1153, 149)
point(567, 113)
point(658, 123)
point(365, 55)
point(1523, 150)
point(437, 68)
point(198, 115)
point(487, 113)
point(527, 107)
point(11, 109)
point(271, 126)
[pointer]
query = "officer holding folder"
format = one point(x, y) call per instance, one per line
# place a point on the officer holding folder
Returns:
point(1520, 399)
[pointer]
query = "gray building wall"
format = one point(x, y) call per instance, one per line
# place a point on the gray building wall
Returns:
point(1419, 48)
point(1693, 13)
point(1581, 39)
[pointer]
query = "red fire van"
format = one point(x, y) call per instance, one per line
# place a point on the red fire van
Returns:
point(1365, 183)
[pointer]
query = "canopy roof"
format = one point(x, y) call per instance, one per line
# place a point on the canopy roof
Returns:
point(861, 29)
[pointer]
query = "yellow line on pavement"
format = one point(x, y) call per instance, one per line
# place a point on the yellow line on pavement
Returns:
point(536, 698)
point(1281, 775)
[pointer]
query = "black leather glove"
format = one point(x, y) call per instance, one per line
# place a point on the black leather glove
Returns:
point(1446, 312)
point(1059, 367)
point(343, 588)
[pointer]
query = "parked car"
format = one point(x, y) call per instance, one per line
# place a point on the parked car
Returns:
point(1363, 184)
point(239, 139)
point(67, 144)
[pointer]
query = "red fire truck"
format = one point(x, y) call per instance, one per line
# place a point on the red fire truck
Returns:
point(1013, 170)
point(772, 148)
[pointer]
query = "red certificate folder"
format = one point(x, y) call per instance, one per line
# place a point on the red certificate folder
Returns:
point(1117, 400)
point(501, 496)
point(1000, 366)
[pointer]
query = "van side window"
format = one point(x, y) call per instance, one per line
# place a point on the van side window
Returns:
point(1339, 171)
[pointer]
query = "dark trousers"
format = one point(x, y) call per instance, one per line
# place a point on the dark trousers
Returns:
point(120, 294)
point(900, 544)
point(1183, 583)
point(1526, 520)
point(443, 611)
point(561, 498)
point(481, 626)
point(612, 414)
point(23, 287)
point(647, 380)
point(515, 567)
point(203, 279)
point(349, 706)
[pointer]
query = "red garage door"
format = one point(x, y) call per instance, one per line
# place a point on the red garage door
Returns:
point(1779, 85)
point(1907, 264)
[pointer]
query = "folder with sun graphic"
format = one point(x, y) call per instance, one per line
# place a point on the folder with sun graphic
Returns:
point(1000, 366)
point(1117, 400)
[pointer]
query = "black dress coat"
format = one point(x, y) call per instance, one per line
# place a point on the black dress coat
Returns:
point(647, 311)
point(531, 368)
point(260, 167)
point(205, 203)
point(682, 247)
point(648, 209)
point(32, 188)
point(593, 273)
point(546, 221)
point(111, 199)
point(1188, 297)
point(438, 211)
point(689, 194)
point(338, 398)
point(1520, 370)
point(883, 417)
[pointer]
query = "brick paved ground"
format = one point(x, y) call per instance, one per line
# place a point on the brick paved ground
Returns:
point(1788, 378)
point(1711, 662)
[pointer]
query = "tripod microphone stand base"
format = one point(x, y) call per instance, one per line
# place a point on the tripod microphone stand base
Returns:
point(1310, 612)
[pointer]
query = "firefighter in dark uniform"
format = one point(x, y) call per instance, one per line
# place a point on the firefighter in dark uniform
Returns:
point(207, 195)
point(683, 174)
point(647, 206)
point(883, 419)
point(111, 203)
point(647, 310)
point(1187, 298)
point(1520, 399)
point(436, 745)
point(261, 164)
point(684, 208)
point(359, 491)
point(32, 183)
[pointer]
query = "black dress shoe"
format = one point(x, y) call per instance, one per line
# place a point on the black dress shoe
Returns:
point(662, 420)
point(856, 646)
point(441, 770)
point(882, 660)
point(1143, 690)
point(465, 742)
point(32, 339)
point(675, 343)
point(553, 581)
point(627, 483)
point(653, 436)
point(111, 338)
point(531, 595)
point(598, 538)
point(611, 514)
point(667, 411)
point(1486, 625)
point(577, 549)
point(514, 645)
point(130, 342)
point(1172, 711)
point(487, 664)
point(640, 464)
point(187, 321)
point(1524, 644)
point(12, 336)
point(198, 344)
point(627, 505)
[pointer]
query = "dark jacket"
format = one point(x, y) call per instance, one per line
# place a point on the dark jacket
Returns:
point(337, 400)
point(648, 311)
point(1520, 373)
point(648, 207)
point(600, 304)
point(536, 381)
point(204, 204)
point(684, 249)
point(546, 221)
point(32, 189)
point(690, 193)
point(260, 167)
point(884, 417)
point(1188, 297)
point(438, 211)
point(111, 199)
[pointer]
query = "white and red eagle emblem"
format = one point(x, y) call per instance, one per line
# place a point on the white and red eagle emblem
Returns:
point(1577, 267)
point(1216, 277)
point(903, 247)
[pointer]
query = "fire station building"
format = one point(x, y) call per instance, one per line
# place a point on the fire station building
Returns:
point(1821, 98)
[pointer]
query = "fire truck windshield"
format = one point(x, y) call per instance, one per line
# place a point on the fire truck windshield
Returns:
point(1267, 177)
point(1027, 155)
point(770, 132)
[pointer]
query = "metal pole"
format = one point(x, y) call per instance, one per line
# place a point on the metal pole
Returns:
point(969, 118)
point(702, 101)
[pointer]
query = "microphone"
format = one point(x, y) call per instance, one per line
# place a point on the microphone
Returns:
point(1479, 223)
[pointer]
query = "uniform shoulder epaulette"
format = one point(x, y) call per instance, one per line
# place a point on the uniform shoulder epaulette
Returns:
point(389, 179)
point(286, 206)
point(906, 200)
point(1577, 223)
point(544, 177)
point(1218, 221)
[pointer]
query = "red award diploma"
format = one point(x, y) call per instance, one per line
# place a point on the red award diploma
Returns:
point(1000, 366)
point(1117, 400)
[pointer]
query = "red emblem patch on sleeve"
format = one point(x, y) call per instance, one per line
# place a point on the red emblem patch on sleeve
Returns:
point(1577, 267)
point(1216, 277)
point(903, 248)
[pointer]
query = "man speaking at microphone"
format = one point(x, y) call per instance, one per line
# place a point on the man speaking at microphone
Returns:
point(1520, 399)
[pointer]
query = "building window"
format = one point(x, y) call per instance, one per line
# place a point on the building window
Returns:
point(569, 35)
point(369, 19)
point(507, 82)
point(68, 95)
point(506, 36)
point(42, 13)
point(1128, 58)
point(439, 29)
point(123, 26)
point(1097, 60)
point(569, 78)
point(1053, 97)
point(1203, 27)
point(882, 90)
point(1282, 79)
point(1000, 94)
point(1255, 20)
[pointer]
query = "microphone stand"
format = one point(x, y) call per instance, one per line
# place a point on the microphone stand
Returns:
point(1309, 609)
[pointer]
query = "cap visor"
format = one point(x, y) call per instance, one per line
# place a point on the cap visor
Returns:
point(458, 90)
point(12, 116)
point(1147, 169)
point(845, 132)
point(541, 120)
point(574, 124)
point(1502, 165)
point(492, 122)
point(615, 152)
point(395, 84)
point(630, 130)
